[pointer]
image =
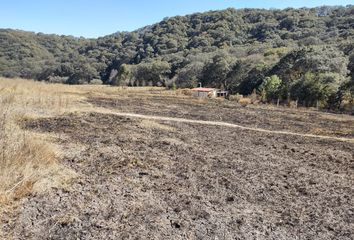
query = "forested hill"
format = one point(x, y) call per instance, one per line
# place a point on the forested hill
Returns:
point(240, 50)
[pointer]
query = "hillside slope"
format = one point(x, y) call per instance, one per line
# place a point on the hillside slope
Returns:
point(232, 49)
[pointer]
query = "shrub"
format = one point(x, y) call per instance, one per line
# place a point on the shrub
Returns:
point(245, 101)
point(186, 92)
point(254, 97)
point(96, 82)
point(236, 97)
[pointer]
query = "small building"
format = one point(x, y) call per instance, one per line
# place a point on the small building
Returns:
point(204, 92)
point(209, 92)
point(223, 94)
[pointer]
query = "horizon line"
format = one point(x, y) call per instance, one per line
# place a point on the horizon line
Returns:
point(151, 24)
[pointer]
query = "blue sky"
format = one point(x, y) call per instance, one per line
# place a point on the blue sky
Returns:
point(93, 18)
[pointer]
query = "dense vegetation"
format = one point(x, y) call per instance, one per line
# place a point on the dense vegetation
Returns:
point(300, 54)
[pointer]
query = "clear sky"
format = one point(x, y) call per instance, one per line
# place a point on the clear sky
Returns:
point(93, 18)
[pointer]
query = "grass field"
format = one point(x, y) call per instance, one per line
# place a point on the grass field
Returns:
point(76, 163)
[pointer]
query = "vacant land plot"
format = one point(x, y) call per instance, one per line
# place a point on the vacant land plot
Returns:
point(302, 121)
point(149, 179)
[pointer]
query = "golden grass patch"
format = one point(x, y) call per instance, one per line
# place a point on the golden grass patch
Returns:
point(245, 101)
point(28, 162)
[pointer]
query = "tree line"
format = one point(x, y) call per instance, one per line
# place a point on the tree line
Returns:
point(303, 54)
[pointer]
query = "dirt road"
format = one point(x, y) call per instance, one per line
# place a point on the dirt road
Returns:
point(223, 124)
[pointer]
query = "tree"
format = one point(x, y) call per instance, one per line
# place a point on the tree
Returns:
point(252, 36)
point(351, 65)
point(189, 76)
point(270, 88)
point(234, 76)
point(311, 89)
point(83, 73)
point(253, 78)
point(347, 88)
point(289, 23)
point(314, 59)
point(215, 73)
point(124, 74)
point(152, 73)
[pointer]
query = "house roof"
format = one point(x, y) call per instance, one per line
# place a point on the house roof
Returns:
point(203, 89)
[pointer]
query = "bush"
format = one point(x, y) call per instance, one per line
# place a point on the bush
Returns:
point(293, 104)
point(57, 79)
point(254, 97)
point(96, 82)
point(236, 97)
point(245, 101)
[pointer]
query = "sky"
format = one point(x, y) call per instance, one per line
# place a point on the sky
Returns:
point(95, 18)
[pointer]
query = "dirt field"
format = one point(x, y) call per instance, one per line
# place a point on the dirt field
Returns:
point(271, 118)
point(147, 179)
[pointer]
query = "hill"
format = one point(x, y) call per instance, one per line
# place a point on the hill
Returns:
point(305, 54)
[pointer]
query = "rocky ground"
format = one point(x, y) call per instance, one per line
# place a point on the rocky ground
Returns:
point(144, 179)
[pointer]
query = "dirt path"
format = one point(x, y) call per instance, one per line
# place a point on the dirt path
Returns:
point(263, 117)
point(217, 123)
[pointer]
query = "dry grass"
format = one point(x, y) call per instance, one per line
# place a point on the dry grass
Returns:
point(245, 101)
point(155, 125)
point(322, 131)
point(184, 91)
point(236, 97)
point(28, 163)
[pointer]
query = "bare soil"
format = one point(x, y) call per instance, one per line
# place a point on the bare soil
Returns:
point(272, 118)
point(140, 179)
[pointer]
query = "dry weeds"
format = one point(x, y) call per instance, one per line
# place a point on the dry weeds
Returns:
point(155, 125)
point(245, 101)
point(28, 163)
